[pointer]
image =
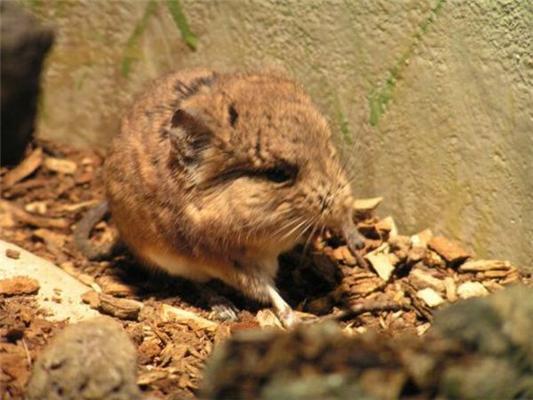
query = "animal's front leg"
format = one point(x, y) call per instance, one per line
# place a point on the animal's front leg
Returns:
point(284, 312)
point(256, 279)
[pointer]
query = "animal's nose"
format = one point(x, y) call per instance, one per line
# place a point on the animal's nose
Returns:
point(353, 238)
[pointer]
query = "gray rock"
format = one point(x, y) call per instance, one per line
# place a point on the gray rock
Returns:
point(23, 47)
point(497, 332)
point(93, 359)
point(478, 349)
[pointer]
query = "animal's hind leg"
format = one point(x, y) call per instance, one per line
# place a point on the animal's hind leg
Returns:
point(222, 308)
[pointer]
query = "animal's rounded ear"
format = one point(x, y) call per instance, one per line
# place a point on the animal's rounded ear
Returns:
point(184, 119)
point(188, 135)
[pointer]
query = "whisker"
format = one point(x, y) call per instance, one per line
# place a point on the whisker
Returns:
point(309, 238)
point(295, 223)
point(294, 229)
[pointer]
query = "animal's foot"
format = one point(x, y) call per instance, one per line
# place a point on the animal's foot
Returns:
point(225, 311)
point(288, 317)
point(222, 309)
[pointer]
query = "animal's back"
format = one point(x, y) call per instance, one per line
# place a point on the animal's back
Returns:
point(138, 181)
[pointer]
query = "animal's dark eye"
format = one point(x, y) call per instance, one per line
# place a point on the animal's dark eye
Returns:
point(280, 174)
point(233, 115)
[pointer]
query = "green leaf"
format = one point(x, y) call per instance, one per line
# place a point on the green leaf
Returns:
point(131, 53)
point(179, 18)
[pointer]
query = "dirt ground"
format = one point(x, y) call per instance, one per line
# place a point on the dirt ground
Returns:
point(393, 285)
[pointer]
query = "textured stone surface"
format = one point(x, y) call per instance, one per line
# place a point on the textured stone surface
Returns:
point(23, 47)
point(94, 359)
point(59, 293)
point(478, 349)
point(435, 96)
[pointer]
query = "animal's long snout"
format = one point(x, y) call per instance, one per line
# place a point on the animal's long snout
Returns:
point(353, 238)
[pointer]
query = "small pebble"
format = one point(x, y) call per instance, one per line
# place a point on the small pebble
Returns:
point(12, 253)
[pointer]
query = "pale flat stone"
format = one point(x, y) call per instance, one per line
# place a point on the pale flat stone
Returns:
point(50, 278)
point(471, 289)
point(382, 264)
point(430, 297)
point(423, 279)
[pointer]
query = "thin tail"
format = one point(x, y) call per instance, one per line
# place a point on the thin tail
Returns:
point(82, 234)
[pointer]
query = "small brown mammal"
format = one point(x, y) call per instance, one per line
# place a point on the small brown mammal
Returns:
point(213, 175)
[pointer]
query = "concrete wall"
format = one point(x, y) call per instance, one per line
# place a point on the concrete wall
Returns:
point(432, 100)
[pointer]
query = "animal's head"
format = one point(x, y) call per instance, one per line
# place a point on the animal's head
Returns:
point(261, 167)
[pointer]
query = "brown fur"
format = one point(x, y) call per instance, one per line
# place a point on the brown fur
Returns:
point(194, 183)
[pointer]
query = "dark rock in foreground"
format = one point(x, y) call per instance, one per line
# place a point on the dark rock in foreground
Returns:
point(480, 348)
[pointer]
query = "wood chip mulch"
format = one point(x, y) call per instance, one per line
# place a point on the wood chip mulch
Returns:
point(393, 285)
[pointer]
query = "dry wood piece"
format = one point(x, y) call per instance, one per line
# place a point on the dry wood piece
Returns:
point(422, 238)
point(83, 178)
point(366, 206)
point(381, 262)
point(321, 305)
point(120, 308)
point(78, 206)
point(433, 260)
point(512, 277)
point(267, 319)
point(25, 168)
point(400, 245)
point(29, 219)
point(149, 377)
point(430, 297)
point(422, 279)
point(111, 284)
point(148, 350)
point(84, 278)
point(418, 305)
point(7, 220)
point(169, 313)
point(387, 224)
point(342, 253)
point(368, 306)
point(492, 285)
point(382, 265)
point(12, 253)
point(400, 242)
point(416, 254)
point(366, 286)
point(18, 285)
point(450, 250)
point(55, 241)
point(62, 166)
point(92, 299)
point(484, 265)
point(471, 289)
point(495, 273)
point(451, 289)
point(36, 207)
point(422, 329)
